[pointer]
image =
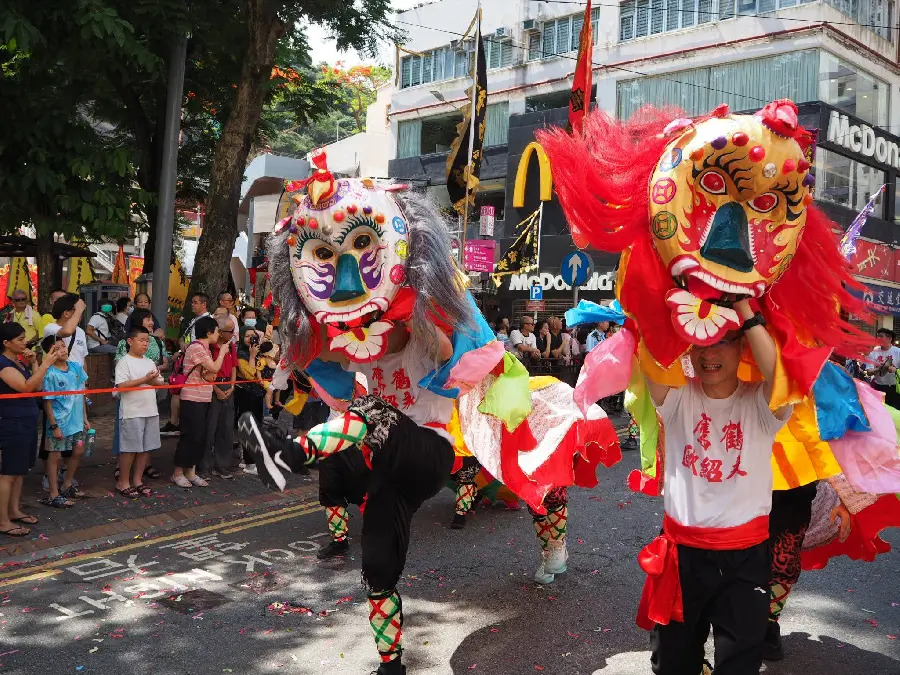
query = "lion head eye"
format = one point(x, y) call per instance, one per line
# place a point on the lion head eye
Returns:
point(713, 183)
point(764, 202)
point(323, 253)
point(361, 242)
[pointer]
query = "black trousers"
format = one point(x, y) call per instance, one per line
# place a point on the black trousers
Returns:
point(192, 441)
point(891, 397)
point(728, 590)
point(409, 465)
point(343, 478)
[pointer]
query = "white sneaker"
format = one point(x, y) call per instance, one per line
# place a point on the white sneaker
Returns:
point(251, 469)
point(553, 562)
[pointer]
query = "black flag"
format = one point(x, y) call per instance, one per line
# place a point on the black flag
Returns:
point(458, 166)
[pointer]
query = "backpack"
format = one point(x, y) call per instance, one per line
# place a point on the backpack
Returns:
point(116, 329)
point(178, 377)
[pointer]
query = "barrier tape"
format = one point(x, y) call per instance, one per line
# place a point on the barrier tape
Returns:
point(110, 390)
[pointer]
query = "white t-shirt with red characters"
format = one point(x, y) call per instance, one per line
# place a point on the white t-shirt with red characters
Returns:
point(718, 455)
point(395, 380)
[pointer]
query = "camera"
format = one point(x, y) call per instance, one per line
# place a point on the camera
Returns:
point(254, 340)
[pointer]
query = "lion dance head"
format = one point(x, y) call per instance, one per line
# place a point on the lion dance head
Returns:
point(359, 258)
point(706, 212)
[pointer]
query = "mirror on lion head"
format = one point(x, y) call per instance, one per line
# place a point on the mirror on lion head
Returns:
point(727, 209)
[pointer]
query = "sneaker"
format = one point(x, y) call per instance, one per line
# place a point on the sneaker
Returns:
point(773, 650)
point(250, 469)
point(334, 549)
point(553, 562)
point(222, 473)
point(169, 429)
point(458, 522)
point(391, 668)
point(273, 455)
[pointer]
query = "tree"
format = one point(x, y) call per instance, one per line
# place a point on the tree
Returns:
point(358, 86)
point(269, 24)
point(61, 170)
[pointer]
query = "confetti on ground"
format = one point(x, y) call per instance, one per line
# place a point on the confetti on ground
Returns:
point(872, 622)
point(282, 608)
point(14, 651)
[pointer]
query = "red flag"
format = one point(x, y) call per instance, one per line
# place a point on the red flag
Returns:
point(580, 99)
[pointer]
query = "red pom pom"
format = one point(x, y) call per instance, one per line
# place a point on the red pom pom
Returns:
point(740, 138)
point(757, 153)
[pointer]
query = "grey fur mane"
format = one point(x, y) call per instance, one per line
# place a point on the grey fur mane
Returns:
point(430, 271)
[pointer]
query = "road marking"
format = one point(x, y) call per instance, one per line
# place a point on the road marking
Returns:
point(230, 530)
point(53, 568)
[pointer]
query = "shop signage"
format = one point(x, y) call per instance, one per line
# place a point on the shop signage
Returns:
point(486, 223)
point(535, 305)
point(862, 140)
point(479, 256)
point(551, 282)
point(881, 299)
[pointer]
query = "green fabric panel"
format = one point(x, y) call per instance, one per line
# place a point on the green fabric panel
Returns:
point(509, 397)
point(639, 404)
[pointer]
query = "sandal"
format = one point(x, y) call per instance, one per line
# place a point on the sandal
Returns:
point(182, 482)
point(129, 492)
point(58, 502)
point(143, 490)
point(152, 473)
point(28, 519)
point(16, 532)
point(73, 492)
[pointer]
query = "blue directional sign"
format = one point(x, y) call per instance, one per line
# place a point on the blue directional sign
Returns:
point(537, 292)
point(576, 267)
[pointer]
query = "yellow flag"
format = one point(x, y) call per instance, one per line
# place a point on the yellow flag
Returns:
point(20, 279)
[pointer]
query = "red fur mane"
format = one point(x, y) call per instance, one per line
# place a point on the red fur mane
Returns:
point(601, 174)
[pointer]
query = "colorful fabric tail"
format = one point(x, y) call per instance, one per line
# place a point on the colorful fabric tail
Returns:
point(552, 526)
point(465, 497)
point(338, 434)
point(786, 547)
point(338, 521)
point(386, 619)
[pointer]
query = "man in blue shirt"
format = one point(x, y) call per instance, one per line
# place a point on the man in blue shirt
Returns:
point(596, 336)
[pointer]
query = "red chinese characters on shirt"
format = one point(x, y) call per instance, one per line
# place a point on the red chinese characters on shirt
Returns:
point(402, 397)
point(711, 469)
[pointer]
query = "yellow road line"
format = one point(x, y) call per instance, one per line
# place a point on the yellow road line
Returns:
point(230, 530)
point(52, 568)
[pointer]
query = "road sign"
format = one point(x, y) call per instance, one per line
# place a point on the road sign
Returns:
point(537, 292)
point(479, 255)
point(486, 224)
point(535, 305)
point(576, 268)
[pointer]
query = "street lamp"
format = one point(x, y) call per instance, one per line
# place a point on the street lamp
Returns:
point(440, 97)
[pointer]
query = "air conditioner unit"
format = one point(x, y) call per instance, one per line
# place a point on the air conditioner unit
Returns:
point(530, 26)
point(502, 32)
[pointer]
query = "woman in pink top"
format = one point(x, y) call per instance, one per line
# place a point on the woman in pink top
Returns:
point(201, 369)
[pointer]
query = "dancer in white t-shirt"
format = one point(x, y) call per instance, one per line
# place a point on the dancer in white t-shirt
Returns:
point(711, 564)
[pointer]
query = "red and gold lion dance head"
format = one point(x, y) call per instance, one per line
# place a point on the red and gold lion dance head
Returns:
point(705, 212)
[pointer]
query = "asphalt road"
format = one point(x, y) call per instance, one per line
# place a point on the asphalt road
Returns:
point(208, 601)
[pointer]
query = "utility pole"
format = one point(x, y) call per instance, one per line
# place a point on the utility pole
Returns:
point(165, 219)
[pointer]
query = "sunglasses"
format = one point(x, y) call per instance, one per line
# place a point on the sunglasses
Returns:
point(20, 299)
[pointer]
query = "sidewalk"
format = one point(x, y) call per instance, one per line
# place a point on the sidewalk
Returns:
point(107, 515)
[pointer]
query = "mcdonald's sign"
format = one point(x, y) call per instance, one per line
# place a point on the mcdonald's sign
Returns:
point(546, 177)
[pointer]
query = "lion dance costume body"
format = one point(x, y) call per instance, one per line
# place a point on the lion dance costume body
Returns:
point(705, 212)
point(366, 284)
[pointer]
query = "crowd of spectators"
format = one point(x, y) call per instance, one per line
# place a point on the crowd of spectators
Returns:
point(204, 376)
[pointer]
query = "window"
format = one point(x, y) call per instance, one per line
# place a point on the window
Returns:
point(560, 36)
point(409, 138)
point(639, 18)
point(446, 63)
point(497, 124)
point(854, 91)
point(844, 181)
point(876, 15)
point(497, 53)
point(743, 85)
point(438, 133)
